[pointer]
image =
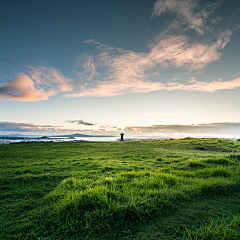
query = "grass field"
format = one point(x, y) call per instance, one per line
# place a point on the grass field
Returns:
point(170, 189)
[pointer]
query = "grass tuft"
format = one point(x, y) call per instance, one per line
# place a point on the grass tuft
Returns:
point(223, 228)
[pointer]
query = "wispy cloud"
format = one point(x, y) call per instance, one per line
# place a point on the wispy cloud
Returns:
point(50, 77)
point(81, 122)
point(201, 86)
point(188, 12)
point(177, 51)
point(129, 72)
point(89, 66)
point(100, 45)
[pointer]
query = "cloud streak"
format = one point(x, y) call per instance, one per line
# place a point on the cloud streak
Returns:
point(31, 128)
point(81, 122)
point(226, 128)
point(26, 127)
point(201, 86)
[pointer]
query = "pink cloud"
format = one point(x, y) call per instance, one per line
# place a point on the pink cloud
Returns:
point(40, 85)
point(51, 77)
point(22, 88)
point(129, 72)
point(114, 88)
point(178, 52)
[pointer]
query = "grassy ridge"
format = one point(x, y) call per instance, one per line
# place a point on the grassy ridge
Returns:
point(112, 190)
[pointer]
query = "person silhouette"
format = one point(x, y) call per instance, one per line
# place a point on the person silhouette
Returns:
point(121, 140)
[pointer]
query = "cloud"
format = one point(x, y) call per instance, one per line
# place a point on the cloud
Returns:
point(114, 88)
point(101, 45)
point(26, 127)
point(178, 52)
point(128, 72)
point(31, 128)
point(124, 72)
point(114, 71)
point(187, 11)
point(226, 128)
point(81, 122)
point(40, 85)
point(214, 129)
point(51, 77)
point(102, 130)
point(22, 88)
point(201, 86)
point(89, 66)
point(107, 126)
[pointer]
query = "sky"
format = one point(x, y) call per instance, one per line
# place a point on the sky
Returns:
point(142, 67)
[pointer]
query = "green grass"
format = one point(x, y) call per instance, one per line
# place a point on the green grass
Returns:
point(172, 189)
point(224, 228)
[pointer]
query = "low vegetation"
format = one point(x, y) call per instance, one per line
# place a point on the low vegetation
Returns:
point(169, 189)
